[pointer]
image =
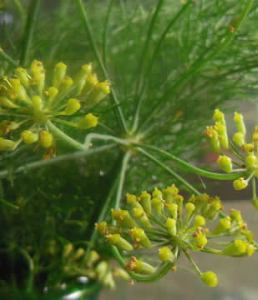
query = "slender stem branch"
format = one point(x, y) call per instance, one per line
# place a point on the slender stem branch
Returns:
point(105, 31)
point(202, 61)
point(60, 158)
point(29, 30)
point(121, 181)
point(8, 58)
point(254, 188)
point(20, 9)
point(64, 137)
point(103, 213)
point(189, 187)
point(9, 204)
point(119, 112)
point(103, 137)
point(154, 56)
point(31, 269)
point(198, 271)
point(190, 168)
point(142, 63)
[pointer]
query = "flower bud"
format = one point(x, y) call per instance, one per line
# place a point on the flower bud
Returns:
point(239, 122)
point(46, 139)
point(238, 248)
point(78, 254)
point(51, 93)
point(248, 148)
point(200, 239)
point(72, 106)
point(29, 137)
point(89, 121)
point(59, 74)
point(6, 145)
point(123, 218)
point(145, 200)
point(23, 76)
point(190, 208)
point(169, 193)
point(117, 240)
point(251, 162)
point(68, 249)
point(224, 225)
point(36, 103)
point(19, 92)
point(213, 136)
point(240, 184)
point(199, 221)
point(102, 227)
point(100, 91)
point(132, 201)
point(173, 210)
point(66, 85)
point(139, 266)
point(236, 216)
point(239, 139)
point(225, 163)
point(157, 205)
point(140, 215)
point(165, 254)
point(209, 278)
point(139, 236)
point(218, 116)
point(38, 75)
point(171, 226)
point(223, 136)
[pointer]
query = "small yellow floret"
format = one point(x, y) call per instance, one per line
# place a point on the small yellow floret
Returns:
point(29, 137)
point(240, 184)
point(210, 278)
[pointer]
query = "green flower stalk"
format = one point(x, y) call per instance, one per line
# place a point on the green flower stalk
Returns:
point(31, 100)
point(165, 224)
point(235, 151)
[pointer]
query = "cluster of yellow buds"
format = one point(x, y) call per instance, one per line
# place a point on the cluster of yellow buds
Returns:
point(29, 100)
point(235, 151)
point(76, 262)
point(164, 222)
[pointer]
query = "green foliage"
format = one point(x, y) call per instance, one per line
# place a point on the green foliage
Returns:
point(170, 64)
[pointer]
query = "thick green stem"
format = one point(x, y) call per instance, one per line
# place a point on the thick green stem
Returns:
point(119, 112)
point(188, 186)
point(121, 181)
point(118, 183)
point(29, 31)
point(192, 169)
point(64, 137)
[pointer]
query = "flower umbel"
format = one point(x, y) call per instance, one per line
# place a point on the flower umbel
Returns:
point(31, 98)
point(163, 223)
point(241, 155)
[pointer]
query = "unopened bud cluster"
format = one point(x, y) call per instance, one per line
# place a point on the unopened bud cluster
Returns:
point(236, 151)
point(76, 262)
point(164, 222)
point(30, 98)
